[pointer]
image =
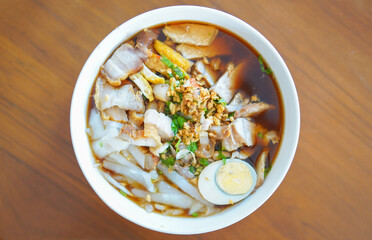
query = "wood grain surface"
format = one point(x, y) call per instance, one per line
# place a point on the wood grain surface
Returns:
point(327, 46)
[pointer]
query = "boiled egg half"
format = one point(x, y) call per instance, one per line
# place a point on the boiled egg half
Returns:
point(228, 183)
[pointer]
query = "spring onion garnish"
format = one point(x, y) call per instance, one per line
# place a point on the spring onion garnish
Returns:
point(204, 162)
point(123, 193)
point(267, 70)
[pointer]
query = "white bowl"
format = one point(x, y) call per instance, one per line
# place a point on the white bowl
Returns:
point(125, 207)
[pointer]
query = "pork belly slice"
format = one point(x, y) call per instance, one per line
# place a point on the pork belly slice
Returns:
point(209, 75)
point(217, 48)
point(124, 97)
point(136, 118)
point(191, 33)
point(237, 102)
point(126, 60)
point(260, 166)
point(162, 122)
point(253, 109)
point(145, 38)
point(160, 92)
point(242, 134)
point(115, 113)
point(225, 86)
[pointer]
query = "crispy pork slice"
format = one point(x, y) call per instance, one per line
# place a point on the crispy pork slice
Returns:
point(225, 86)
point(115, 113)
point(107, 96)
point(126, 60)
point(253, 109)
point(209, 75)
point(136, 118)
point(244, 131)
point(191, 33)
point(140, 139)
point(230, 143)
point(237, 102)
point(242, 134)
point(160, 92)
point(206, 150)
point(260, 166)
point(217, 48)
point(162, 122)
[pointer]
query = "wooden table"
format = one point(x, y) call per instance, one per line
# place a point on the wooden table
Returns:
point(327, 192)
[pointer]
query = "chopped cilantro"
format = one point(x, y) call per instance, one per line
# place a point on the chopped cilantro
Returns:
point(174, 126)
point(267, 70)
point(260, 134)
point(166, 108)
point(100, 143)
point(224, 161)
point(123, 193)
point(267, 170)
point(181, 121)
point(204, 162)
point(192, 169)
point(195, 214)
point(231, 114)
point(192, 147)
point(168, 161)
point(172, 66)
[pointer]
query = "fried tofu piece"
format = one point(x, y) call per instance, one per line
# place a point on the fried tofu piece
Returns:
point(143, 85)
point(172, 55)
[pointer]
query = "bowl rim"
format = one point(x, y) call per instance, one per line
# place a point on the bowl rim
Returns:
point(177, 225)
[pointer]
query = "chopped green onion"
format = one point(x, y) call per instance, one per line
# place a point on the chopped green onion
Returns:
point(159, 172)
point(192, 169)
point(267, 170)
point(204, 161)
point(177, 144)
point(267, 70)
point(100, 143)
point(260, 134)
point(195, 214)
point(123, 193)
point(221, 156)
point(172, 66)
point(222, 102)
point(192, 147)
point(180, 96)
point(168, 162)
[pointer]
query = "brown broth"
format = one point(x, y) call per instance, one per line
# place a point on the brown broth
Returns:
point(253, 82)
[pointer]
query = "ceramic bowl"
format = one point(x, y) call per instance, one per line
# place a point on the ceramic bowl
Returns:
point(181, 225)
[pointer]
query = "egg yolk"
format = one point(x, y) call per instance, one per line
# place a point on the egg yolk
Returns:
point(234, 178)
